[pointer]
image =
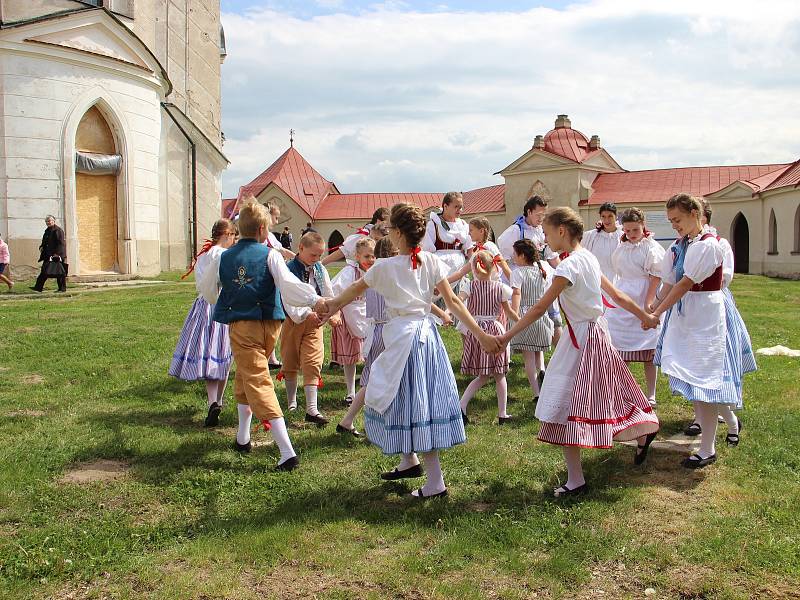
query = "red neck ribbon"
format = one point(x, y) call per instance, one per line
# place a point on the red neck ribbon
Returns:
point(415, 257)
point(207, 245)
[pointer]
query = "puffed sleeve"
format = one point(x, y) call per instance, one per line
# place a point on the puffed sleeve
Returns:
point(727, 262)
point(208, 283)
point(654, 258)
point(505, 242)
point(343, 280)
point(702, 259)
point(568, 270)
point(507, 292)
point(666, 270)
point(438, 269)
point(516, 279)
point(429, 241)
point(377, 276)
point(464, 236)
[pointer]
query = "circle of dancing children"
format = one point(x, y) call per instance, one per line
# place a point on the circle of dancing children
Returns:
point(302, 345)
point(637, 272)
point(529, 282)
point(350, 327)
point(703, 347)
point(604, 239)
point(203, 351)
point(589, 398)
point(486, 297)
point(412, 403)
point(249, 302)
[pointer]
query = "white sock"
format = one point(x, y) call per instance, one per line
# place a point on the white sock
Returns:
point(221, 391)
point(651, 376)
point(434, 482)
point(529, 360)
point(350, 379)
point(407, 461)
point(730, 418)
point(707, 418)
point(245, 417)
point(572, 456)
point(471, 390)
point(291, 392)
point(311, 400)
point(211, 391)
point(502, 395)
point(355, 407)
point(281, 437)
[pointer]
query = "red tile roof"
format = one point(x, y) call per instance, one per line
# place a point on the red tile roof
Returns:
point(567, 142)
point(659, 184)
point(295, 176)
point(485, 200)
point(788, 177)
point(228, 205)
point(361, 206)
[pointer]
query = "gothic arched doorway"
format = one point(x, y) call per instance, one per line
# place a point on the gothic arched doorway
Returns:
point(96, 194)
point(334, 241)
point(740, 238)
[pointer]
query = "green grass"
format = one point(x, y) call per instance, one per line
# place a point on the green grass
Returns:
point(83, 378)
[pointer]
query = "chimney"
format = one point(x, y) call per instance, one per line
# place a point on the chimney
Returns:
point(563, 122)
point(538, 142)
point(594, 143)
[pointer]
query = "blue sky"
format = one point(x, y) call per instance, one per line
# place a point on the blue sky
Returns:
point(428, 96)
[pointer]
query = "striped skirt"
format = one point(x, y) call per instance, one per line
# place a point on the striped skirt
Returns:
point(637, 355)
point(536, 337)
point(739, 359)
point(474, 361)
point(425, 414)
point(345, 348)
point(603, 402)
point(204, 348)
point(374, 352)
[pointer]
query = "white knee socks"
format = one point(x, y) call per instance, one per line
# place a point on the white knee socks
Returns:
point(281, 437)
point(311, 400)
point(730, 418)
point(706, 415)
point(531, 370)
point(211, 391)
point(407, 461)
point(355, 407)
point(471, 390)
point(291, 392)
point(221, 391)
point(572, 456)
point(433, 469)
point(245, 417)
point(502, 395)
point(651, 374)
point(350, 379)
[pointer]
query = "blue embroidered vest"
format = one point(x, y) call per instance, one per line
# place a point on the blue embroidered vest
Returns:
point(298, 269)
point(248, 291)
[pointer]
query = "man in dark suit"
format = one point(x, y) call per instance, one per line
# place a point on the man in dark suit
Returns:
point(53, 248)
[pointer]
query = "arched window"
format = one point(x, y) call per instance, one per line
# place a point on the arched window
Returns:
point(772, 238)
point(334, 241)
point(797, 231)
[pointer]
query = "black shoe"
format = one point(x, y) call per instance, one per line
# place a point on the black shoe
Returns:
point(536, 399)
point(693, 430)
point(409, 473)
point(732, 439)
point(695, 461)
point(565, 491)
point(243, 448)
point(212, 419)
point(354, 432)
point(464, 419)
point(504, 420)
point(420, 496)
point(318, 420)
point(38, 291)
point(333, 365)
point(641, 451)
point(348, 401)
point(540, 378)
point(274, 366)
point(289, 464)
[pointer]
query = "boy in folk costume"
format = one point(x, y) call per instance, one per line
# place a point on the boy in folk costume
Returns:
point(589, 398)
point(375, 229)
point(350, 328)
point(412, 398)
point(251, 274)
point(302, 346)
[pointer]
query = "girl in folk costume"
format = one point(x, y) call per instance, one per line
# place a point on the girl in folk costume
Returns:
point(487, 296)
point(412, 398)
point(448, 235)
point(738, 349)
point(604, 239)
point(637, 269)
point(349, 329)
point(203, 351)
point(529, 281)
point(693, 351)
point(479, 230)
point(374, 229)
point(589, 398)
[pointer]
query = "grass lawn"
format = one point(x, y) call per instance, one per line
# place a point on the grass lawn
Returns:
point(83, 377)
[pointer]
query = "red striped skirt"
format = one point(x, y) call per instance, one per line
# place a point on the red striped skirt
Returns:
point(474, 361)
point(637, 355)
point(345, 348)
point(607, 404)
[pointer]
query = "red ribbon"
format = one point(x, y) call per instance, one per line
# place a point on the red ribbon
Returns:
point(606, 303)
point(572, 336)
point(563, 255)
point(260, 424)
point(207, 245)
point(280, 376)
point(498, 258)
point(320, 383)
point(415, 257)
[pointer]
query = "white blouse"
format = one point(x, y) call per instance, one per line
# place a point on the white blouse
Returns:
point(602, 244)
point(407, 291)
point(512, 234)
point(458, 230)
point(637, 260)
point(581, 299)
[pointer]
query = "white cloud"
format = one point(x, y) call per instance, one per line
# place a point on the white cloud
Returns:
point(395, 100)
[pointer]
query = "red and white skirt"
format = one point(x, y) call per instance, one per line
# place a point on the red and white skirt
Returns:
point(345, 347)
point(474, 361)
point(637, 355)
point(589, 398)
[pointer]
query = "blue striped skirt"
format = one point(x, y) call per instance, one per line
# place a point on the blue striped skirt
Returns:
point(739, 359)
point(204, 348)
point(425, 414)
point(374, 352)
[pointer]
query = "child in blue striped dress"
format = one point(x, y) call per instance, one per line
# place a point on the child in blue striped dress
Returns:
point(412, 402)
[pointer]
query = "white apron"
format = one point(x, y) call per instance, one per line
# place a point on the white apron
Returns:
point(625, 328)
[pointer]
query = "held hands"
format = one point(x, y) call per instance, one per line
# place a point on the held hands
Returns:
point(447, 319)
point(491, 344)
point(322, 307)
point(335, 320)
point(651, 321)
point(314, 319)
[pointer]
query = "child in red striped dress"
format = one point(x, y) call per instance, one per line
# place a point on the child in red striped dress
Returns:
point(486, 298)
point(589, 398)
point(349, 329)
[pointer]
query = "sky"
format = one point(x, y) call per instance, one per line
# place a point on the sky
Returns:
point(432, 96)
